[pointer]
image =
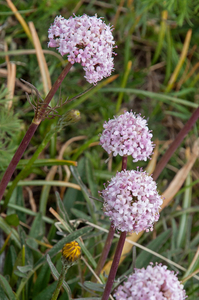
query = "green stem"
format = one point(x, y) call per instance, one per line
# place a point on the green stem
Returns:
point(31, 130)
point(59, 284)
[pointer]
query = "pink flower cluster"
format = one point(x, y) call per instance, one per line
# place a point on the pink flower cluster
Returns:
point(86, 40)
point(155, 283)
point(127, 134)
point(131, 201)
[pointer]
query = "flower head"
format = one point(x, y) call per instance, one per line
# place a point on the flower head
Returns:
point(86, 40)
point(131, 201)
point(127, 134)
point(155, 283)
point(70, 253)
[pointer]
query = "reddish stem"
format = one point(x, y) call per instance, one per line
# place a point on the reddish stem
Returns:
point(124, 163)
point(114, 267)
point(106, 250)
point(55, 88)
point(31, 130)
point(16, 158)
point(183, 132)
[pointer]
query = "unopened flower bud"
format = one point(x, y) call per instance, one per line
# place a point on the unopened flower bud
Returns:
point(68, 118)
point(71, 252)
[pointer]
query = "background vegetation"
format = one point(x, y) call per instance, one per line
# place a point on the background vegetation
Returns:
point(156, 74)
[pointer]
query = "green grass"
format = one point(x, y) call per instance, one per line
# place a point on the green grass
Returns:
point(148, 51)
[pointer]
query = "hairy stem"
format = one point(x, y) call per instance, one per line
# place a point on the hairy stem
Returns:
point(30, 132)
point(59, 284)
point(183, 132)
point(114, 267)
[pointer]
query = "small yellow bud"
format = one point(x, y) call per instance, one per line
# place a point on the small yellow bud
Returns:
point(70, 253)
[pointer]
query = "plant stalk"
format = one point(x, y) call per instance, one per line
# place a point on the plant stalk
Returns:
point(114, 267)
point(25, 171)
point(59, 284)
point(106, 250)
point(30, 132)
point(118, 252)
point(183, 132)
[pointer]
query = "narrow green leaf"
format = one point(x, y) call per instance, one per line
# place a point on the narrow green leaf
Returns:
point(42, 280)
point(12, 220)
point(10, 259)
point(157, 96)
point(24, 269)
point(47, 292)
point(7, 229)
point(86, 193)
point(62, 211)
point(85, 146)
point(91, 179)
point(56, 275)
point(2, 294)
point(73, 195)
point(7, 288)
point(46, 162)
point(144, 258)
point(37, 230)
point(81, 215)
point(94, 286)
point(182, 228)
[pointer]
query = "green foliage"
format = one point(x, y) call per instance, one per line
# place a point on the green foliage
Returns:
point(9, 129)
point(154, 46)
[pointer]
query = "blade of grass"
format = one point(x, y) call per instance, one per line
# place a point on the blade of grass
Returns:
point(43, 182)
point(46, 162)
point(157, 96)
point(123, 84)
point(90, 203)
point(163, 27)
point(180, 62)
point(8, 229)
point(41, 60)
point(184, 218)
point(20, 19)
point(33, 51)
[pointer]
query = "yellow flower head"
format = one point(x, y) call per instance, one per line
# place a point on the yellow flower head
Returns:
point(71, 252)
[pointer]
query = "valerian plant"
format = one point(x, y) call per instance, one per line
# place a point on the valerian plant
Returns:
point(130, 199)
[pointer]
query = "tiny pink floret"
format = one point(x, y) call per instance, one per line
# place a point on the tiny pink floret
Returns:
point(155, 283)
point(86, 40)
point(132, 202)
point(127, 134)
